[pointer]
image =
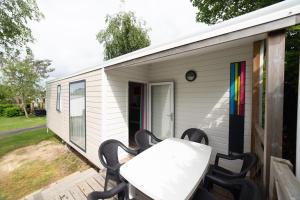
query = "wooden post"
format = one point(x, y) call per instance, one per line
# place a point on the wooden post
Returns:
point(274, 100)
point(255, 90)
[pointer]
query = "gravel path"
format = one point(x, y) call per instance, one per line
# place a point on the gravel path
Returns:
point(21, 130)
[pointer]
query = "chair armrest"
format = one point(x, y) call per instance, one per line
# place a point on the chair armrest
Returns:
point(225, 175)
point(156, 139)
point(115, 168)
point(131, 151)
point(128, 150)
point(110, 193)
point(218, 181)
point(227, 157)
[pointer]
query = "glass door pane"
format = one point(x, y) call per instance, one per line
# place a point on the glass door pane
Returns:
point(162, 109)
point(77, 114)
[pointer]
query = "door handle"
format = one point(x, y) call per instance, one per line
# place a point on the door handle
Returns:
point(171, 115)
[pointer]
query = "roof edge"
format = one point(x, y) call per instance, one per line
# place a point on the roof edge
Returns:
point(265, 15)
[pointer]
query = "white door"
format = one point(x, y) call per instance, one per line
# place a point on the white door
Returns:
point(161, 109)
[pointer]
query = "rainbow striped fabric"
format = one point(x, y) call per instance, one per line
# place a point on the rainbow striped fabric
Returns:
point(237, 88)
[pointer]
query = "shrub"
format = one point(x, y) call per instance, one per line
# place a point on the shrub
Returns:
point(3, 107)
point(12, 112)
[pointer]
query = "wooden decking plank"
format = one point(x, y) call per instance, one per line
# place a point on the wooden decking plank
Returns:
point(55, 198)
point(85, 188)
point(65, 185)
point(66, 195)
point(69, 177)
point(101, 180)
point(94, 184)
point(77, 194)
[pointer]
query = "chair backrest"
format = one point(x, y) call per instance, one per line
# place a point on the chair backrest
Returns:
point(249, 190)
point(249, 161)
point(108, 150)
point(142, 139)
point(195, 135)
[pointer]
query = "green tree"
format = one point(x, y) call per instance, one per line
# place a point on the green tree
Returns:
point(5, 94)
point(24, 77)
point(123, 34)
point(211, 12)
point(14, 18)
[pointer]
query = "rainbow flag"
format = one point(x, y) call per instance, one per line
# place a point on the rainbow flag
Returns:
point(237, 88)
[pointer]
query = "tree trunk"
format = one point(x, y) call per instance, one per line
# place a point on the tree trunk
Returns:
point(18, 101)
point(24, 107)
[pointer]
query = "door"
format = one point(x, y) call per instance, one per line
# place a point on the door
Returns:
point(161, 107)
point(136, 102)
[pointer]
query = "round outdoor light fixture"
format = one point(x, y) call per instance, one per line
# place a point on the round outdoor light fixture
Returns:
point(190, 75)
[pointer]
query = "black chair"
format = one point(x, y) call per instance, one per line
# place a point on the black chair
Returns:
point(242, 189)
point(203, 194)
point(223, 175)
point(121, 190)
point(249, 161)
point(195, 135)
point(108, 155)
point(143, 138)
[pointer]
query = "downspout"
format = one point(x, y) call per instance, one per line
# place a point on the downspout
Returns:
point(298, 131)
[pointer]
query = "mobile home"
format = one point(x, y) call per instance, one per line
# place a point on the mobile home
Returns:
point(209, 80)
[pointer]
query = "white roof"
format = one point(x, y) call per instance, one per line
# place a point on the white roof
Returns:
point(262, 16)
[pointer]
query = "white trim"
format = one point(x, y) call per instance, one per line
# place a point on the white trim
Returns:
point(298, 132)
point(171, 83)
point(104, 103)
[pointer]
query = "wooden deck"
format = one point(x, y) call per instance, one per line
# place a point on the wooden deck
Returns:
point(78, 185)
point(73, 187)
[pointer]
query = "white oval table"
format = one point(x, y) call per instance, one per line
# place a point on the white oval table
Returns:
point(171, 169)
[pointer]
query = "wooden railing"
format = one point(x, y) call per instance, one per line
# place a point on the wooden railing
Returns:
point(283, 183)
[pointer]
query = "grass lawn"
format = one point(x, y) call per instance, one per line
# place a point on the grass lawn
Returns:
point(35, 175)
point(11, 142)
point(11, 123)
point(34, 172)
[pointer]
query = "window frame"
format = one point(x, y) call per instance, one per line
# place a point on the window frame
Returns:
point(70, 83)
point(58, 98)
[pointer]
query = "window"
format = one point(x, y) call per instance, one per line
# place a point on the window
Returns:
point(58, 98)
point(77, 114)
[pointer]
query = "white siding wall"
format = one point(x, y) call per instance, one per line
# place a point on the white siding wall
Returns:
point(204, 103)
point(58, 122)
point(116, 100)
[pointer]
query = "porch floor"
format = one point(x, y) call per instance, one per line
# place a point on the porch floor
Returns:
point(78, 185)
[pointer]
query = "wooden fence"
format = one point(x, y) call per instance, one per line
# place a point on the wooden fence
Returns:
point(283, 183)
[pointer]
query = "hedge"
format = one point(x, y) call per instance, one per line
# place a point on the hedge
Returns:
point(3, 107)
point(12, 112)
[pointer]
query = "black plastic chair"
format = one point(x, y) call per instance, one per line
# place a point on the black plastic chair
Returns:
point(223, 175)
point(203, 194)
point(108, 155)
point(195, 135)
point(242, 189)
point(121, 190)
point(249, 161)
point(143, 138)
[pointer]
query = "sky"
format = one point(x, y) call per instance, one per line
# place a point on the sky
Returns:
point(67, 34)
